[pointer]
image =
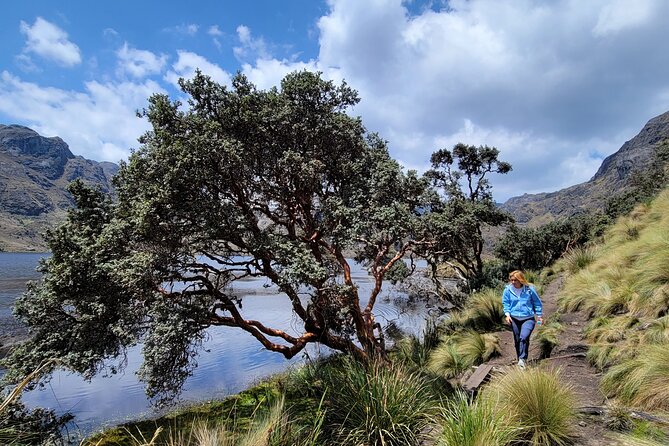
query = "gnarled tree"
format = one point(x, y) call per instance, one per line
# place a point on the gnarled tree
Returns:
point(280, 184)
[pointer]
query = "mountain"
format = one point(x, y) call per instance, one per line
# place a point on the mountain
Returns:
point(612, 177)
point(34, 173)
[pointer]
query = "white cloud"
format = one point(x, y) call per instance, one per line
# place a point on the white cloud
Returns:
point(620, 15)
point(251, 48)
point(188, 62)
point(139, 63)
point(267, 73)
point(99, 123)
point(186, 29)
point(50, 42)
point(214, 31)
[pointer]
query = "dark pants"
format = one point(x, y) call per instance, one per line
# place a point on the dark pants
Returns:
point(522, 329)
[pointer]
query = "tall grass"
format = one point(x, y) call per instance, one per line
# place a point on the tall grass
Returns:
point(378, 405)
point(475, 424)
point(274, 427)
point(414, 351)
point(484, 312)
point(642, 381)
point(548, 337)
point(536, 401)
point(580, 257)
point(459, 351)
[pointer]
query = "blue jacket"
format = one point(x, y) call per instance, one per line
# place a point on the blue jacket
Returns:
point(524, 306)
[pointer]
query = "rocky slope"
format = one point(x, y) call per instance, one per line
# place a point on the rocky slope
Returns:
point(612, 177)
point(34, 173)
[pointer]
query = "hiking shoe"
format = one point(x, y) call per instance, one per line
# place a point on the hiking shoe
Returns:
point(521, 363)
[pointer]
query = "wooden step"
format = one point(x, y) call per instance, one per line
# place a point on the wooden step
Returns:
point(478, 377)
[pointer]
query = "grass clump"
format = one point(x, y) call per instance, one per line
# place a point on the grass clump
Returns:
point(642, 381)
point(483, 312)
point(474, 424)
point(414, 351)
point(547, 338)
point(378, 404)
point(462, 350)
point(538, 403)
point(580, 257)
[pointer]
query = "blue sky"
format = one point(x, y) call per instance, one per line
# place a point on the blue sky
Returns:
point(555, 85)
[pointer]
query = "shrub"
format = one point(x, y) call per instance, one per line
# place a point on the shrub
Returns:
point(537, 402)
point(475, 424)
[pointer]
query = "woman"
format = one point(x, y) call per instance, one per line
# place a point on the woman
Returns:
point(521, 306)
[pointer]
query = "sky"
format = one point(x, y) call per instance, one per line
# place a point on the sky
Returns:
point(555, 85)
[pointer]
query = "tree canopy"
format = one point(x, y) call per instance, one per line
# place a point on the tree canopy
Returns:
point(238, 183)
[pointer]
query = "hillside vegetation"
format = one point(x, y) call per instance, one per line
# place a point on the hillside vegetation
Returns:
point(623, 286)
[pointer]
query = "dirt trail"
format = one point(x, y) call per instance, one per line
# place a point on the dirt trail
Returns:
point(569, 357)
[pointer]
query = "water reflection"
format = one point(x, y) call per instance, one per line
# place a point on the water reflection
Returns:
point(230, 361)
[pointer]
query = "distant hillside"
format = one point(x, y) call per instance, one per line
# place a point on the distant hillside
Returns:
point(34, 172)
point(612, 177)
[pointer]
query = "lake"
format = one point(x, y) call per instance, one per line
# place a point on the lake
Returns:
point(230, 361)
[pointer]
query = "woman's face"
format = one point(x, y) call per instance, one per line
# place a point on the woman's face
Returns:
point(515, 282)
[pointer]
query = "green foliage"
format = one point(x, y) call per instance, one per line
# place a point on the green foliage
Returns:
point(378, 404)
point(456, 220)
point(535, 248)
point(538, 402)
point(239, 183)
point(475, 424)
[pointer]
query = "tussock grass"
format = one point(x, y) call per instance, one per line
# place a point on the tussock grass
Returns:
point(484, 312)
point(459, 351)
point(610, 329)
point(378, 405)
point(548, 337)
point(538, 402)
point(625, 291)
point(475, 424)
point(274, 427)
point(657, 331)
point(414, 351)
point(580, 257)
point(642, 381)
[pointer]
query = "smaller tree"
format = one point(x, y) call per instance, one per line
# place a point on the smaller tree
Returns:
point(462, 209)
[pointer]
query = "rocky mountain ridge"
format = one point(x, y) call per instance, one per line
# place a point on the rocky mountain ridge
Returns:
point(612, 177)
point(34, 173)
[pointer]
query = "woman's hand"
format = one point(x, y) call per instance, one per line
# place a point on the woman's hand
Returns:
point(540, 320)
point(508, 320)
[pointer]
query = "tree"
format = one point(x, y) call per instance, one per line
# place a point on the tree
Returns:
point(280, 184)
point(464, 208)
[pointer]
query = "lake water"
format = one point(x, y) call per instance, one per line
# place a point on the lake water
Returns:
point(230, 361)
